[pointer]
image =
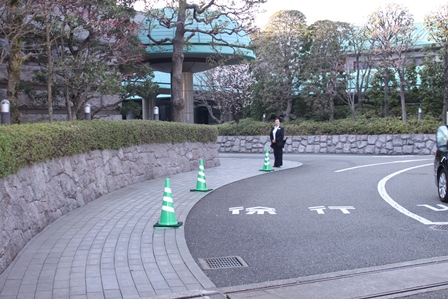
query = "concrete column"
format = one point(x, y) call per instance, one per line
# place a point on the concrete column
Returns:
point(145, 109)
point(187, 93)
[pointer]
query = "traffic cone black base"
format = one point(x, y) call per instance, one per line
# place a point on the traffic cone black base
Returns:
point(196, 190)
point(179, 224)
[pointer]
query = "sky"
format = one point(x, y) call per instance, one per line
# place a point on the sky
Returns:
point(351, 11)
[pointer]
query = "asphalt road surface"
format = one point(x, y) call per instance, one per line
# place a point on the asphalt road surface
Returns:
point(333, 213)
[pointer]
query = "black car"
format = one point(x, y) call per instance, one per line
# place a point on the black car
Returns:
point(441, 162)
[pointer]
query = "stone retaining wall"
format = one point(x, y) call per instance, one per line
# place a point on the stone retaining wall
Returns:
point(38, 195)
point(404, 144)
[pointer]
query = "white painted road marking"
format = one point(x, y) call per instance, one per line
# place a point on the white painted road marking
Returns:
point(389, 200)
point(236, 210)
point(442, 208)
point(378, 164)
point(319, 209)
point(260, 211)
point(253, 210)
point(343, 209)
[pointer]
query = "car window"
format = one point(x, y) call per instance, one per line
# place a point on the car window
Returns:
point(442, 138)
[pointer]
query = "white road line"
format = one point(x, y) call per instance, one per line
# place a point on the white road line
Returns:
point(389, 200)
point(384, 163)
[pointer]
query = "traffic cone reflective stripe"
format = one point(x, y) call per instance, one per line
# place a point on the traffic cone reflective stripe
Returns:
point(267, 162)
point(200, 183)
point(167, 216)
point(201, 176)
point(168, 209)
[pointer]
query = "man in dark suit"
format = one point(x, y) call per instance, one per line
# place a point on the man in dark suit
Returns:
point(277, 143)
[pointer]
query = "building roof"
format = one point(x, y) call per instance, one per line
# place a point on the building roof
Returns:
point(198, 49)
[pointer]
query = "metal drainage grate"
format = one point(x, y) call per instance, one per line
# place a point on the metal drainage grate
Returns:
point(440, 227)
point(223, 262)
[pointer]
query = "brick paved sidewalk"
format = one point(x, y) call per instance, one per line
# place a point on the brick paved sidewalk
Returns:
point(110, 249)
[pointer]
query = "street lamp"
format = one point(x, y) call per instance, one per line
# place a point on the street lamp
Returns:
point(5, 112)
point(156, 113)
point(87, 112)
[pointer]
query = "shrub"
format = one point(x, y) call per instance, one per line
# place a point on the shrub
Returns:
point(27, 144)
point(362, 126)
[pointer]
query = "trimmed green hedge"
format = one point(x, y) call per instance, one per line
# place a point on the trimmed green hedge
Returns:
point(248, 127)
point(27, 144)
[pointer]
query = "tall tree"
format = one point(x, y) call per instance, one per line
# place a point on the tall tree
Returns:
point(279, 64)
point(326, 77)
point(16, 19)
point(225, 91)
point(358, 66)
point(218, 19)
point(432, 88)
point(47, 25)
point(435, 23)
point(380, 95)
point(392, 29)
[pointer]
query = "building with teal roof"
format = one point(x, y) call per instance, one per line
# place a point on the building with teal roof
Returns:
point(198, 53)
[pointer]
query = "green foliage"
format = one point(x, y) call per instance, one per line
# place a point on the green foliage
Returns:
point(361, 126)
point(25, 145)
point(432, 86)
point(138, 81)
point(412, 90)
point(245, 127)
point(376, 92)
point(131, 107)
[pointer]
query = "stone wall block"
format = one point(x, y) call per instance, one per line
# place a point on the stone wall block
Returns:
point(398, 150)
point(346, 148)
point(362, 137)
point(265, 139)
point(351, 138)
point(396, 141)
point(361, 144)
point(408, 149)
point(371, 139)
point(335, 139)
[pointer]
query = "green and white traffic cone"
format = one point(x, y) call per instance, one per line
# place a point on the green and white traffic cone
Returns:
point(167, 217)
point(201, 186)
point(267, 162)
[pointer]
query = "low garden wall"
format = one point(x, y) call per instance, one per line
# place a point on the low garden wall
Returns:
point(38, 195)
point(387, 144)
